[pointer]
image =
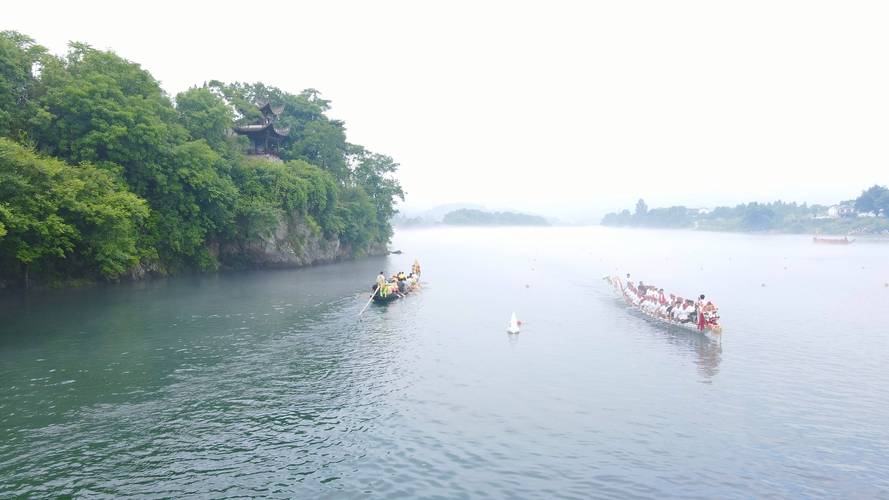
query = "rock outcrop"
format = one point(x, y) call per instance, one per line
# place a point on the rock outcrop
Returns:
point(293, 244)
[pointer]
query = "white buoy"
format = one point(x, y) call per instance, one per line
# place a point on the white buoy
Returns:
point(513, 325)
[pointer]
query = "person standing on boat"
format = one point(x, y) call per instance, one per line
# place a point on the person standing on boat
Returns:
point(699, 308)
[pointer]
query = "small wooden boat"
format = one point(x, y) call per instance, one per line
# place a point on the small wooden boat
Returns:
point(709, 328)
point(390, 291)
point(832, 241)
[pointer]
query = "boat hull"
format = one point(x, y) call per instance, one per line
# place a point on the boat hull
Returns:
point(832, 241)
point(379, 298)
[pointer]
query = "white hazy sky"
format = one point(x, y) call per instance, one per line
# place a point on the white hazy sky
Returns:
point(555, 107)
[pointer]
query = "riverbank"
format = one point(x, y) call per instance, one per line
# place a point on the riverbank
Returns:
point(291, 246)
point(867, 214)
point(871, 237)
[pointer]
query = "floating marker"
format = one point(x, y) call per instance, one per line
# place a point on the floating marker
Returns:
point(513, 324)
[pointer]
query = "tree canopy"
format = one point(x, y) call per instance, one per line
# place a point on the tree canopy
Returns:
point(874, 199)
point(103, 171)
point(58, 216)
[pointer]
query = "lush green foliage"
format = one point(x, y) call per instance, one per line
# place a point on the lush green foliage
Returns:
point(56, 217)
point(18, 55)
point(140, 180)
point(471, 217)
point(314, 138)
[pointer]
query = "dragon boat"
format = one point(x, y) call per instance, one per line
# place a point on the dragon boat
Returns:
point(706, 323)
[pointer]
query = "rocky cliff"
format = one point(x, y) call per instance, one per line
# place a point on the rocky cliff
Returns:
point(293, 244)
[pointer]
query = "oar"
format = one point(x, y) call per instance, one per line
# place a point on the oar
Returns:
point(369, 301)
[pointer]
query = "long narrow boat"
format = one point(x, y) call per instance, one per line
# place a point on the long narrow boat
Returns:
point(709, 328)
point(832, 241)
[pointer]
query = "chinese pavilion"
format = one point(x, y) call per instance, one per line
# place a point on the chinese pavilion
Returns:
point(265, 136)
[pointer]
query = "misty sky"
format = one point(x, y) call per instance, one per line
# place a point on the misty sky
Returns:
point(562, 108)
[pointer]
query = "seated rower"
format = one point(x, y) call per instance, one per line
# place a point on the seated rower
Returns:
point(668, 308)
point(676, 309)
point(685, 314)
point(651, 295)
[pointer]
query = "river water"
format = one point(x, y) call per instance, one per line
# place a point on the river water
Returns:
point(270, 384)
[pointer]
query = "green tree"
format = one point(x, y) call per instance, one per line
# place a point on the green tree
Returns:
point(110, 117)
point(205, 115)
point(873, 199)
point(19, 55)
point(108, 111)
point(313, 138)
point(641, 208)
point(194, 206)
point(374, 173)
point(358, 215)
point(758, 217)
point(52, 211)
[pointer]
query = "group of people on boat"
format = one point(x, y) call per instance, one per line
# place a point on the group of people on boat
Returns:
point(399, 283)
point(650, 299)
point(653, 301)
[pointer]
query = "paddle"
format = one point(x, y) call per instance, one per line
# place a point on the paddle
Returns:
point(369, 301)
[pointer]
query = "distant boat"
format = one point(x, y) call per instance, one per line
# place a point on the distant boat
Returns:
point(513, 325)
point(832, 241)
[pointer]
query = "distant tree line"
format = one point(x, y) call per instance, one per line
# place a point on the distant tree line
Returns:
point(874, 200)
point(867, 213)
point(101, 171)
point(472, 217)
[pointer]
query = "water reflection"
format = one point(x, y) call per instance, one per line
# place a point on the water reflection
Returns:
point(512, 338)
point(707, 350)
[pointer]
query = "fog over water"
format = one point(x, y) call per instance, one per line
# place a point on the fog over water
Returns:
point(268, 383)
point(562, 108)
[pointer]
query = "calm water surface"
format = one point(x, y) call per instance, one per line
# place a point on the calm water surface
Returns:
point(269, 384)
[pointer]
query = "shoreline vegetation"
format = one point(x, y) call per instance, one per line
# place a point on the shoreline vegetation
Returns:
point(471, 217)
point(103, 176)
point(866, 215)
